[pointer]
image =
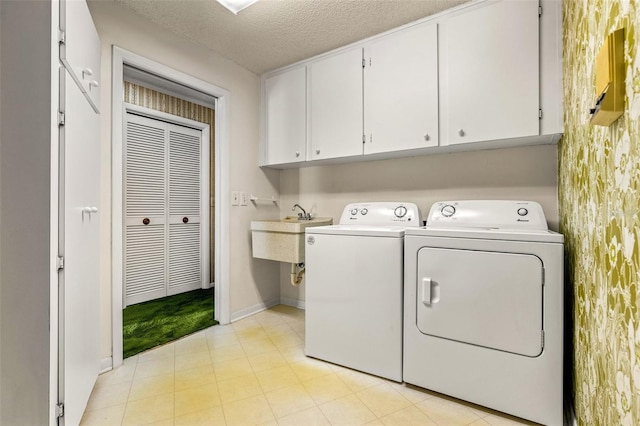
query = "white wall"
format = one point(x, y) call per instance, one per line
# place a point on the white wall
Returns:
point(252, 282)
point(25, 188)
point(528, 173)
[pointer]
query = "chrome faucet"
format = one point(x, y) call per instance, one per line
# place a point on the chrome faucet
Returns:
point(304, 215)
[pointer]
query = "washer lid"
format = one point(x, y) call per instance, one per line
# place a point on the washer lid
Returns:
point(357, 230)
point(502, 234)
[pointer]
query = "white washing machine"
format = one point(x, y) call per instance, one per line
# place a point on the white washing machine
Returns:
point(354, 279)
point(483, 307)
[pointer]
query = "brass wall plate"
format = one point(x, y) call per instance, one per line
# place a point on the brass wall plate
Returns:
point(610, 75)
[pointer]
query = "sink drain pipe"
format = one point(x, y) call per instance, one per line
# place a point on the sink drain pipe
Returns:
point(297, 271)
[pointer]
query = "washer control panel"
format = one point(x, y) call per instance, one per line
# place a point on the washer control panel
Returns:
point(382, 214)
point(499, 214)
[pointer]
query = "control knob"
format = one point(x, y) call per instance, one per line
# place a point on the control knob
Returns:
point(522, 211)
point(400, 211)
point(448, 210)
point(354, 212)
point(364, 211)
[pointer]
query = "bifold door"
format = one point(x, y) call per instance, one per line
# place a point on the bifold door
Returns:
point(483, 298)
point(163, 241)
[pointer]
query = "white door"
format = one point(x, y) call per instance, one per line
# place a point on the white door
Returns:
point(286, 116)
point(162, 202)
point(79, 234)
point(483, 298)
point(335, 106)
point(401, 90)
point(490, 73)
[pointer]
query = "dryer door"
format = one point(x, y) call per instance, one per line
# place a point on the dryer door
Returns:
point(483, 298)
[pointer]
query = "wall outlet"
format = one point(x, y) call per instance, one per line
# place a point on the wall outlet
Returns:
point(235, 198)
point(244, 198)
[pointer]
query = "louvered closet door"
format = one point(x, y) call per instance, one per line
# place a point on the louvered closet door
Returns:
point(145, 209)
point(185, 270)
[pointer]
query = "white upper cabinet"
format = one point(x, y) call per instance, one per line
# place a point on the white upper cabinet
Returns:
point(335, 106)
point(286, 116)
point(490, 73)
point(80, 48)
point(401, 90)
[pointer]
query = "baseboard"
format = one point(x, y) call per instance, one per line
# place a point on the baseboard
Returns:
point(106, 364)
point(252, 310)
point(292, 302)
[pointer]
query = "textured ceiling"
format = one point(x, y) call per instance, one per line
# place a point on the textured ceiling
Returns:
point(273, 33)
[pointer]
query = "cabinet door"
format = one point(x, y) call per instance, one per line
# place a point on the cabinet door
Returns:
point(490, 73)
point(401, 90)
point(80, 52)
point(335, 108)
point(286, 116)
point(80, 220)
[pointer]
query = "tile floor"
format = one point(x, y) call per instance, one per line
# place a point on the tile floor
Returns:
point(254, 372)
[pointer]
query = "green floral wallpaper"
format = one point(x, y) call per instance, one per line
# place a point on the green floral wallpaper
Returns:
point(599, 190)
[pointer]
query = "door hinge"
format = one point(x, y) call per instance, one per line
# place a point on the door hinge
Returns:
point(364, 62)
point(364, 138)
point(60, 118)
point(539, 11)
point(62, 36)
point(60, 410)
point(540, 113)
point(59, 262)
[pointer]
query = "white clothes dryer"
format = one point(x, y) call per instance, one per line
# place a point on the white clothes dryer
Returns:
point(354, 279)
point(483, 307)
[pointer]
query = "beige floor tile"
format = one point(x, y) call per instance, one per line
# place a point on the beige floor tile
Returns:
point(196, 399)
point(226, 353)
point(445, 412)
point(194, 377)
point(276, 329)
point(499, 419)
point(245, 324)
point(358, 381)
point(348, 410)
point(326, 388)
point(287, 340)
point(155, 367)
point(266, 361)
point(277, 378)
point(383, 399)
point(479, 422)
point(409, 416)
point(289, 400)
point(412, 393)
point(108, 396)
point(310, 369)
point(208, 417)
point(258, 346)
point(375, 422)
point(189, 360)
point(165, 351)
point(293, 354)
point(149, 410)
point(192, 344)
point(250, 411)
point(239, 388)
point(309, 417)
point(229, 369)
point(147, 387)
point(219, 329)
point(121, 374)
point(104, 416)
point(165, 422)
point(216, 341)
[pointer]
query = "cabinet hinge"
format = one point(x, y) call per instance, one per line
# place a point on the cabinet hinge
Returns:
point(62, 37)
point(364, 138)
point(543, 276)
point(59, 262)
point(364, 62)
point(60, 118)
point(539, 11)
point(60, 410)
point(540, 114)
point(542, 339)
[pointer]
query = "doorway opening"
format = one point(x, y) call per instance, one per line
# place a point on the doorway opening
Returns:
point(180, 84)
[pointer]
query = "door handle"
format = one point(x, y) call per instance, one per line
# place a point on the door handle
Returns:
point(426, 291)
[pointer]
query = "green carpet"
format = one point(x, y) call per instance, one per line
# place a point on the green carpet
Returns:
point(156, 322)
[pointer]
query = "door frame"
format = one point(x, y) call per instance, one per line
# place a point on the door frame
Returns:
point(204, 128)
point(222, 194)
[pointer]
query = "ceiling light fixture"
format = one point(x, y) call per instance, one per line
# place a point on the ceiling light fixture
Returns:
point(236, 6)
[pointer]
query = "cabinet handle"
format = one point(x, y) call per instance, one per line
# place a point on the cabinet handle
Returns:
point(461, 132)
point(427, 137)
point(87, 72)
point(146, 221)
point(185, 220)
point(317, 151)
point(297, 153)
point(93, 83)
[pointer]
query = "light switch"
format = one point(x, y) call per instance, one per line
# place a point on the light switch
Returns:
point(235, 198)
point(244, 198)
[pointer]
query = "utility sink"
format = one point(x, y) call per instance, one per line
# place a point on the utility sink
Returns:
point(282, 239)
